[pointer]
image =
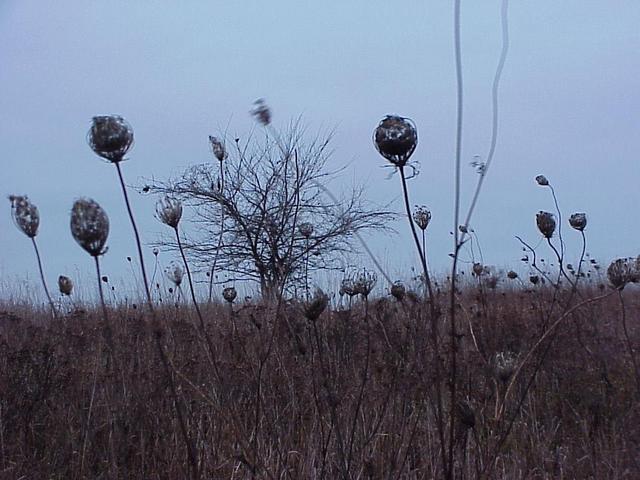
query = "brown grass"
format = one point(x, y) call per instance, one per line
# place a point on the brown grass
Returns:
point(65, 414)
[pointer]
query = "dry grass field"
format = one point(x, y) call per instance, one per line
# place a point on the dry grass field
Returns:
point(351, 394)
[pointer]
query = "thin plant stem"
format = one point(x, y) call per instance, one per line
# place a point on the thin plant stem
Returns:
point(495, 104)
point(195, 304)
point(137, 235)
point(158, 334)
point(44, 282)
point(433, 312)
point(220, 236)
point(448, 466)
point(105, 312)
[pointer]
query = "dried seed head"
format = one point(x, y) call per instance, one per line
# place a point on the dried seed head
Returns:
point(365, 283)
point(229, 294)
point(169, 211)
point(396, 139)
point(546, 223)
point(505, 365)
point(25, 215)
point(348, 287)
point(65, 285)
point(623, 271)
point(110, 137)
point(422, 217)
point(155, 251)
point(175, 273)
point(261, 112)
point(542, 180)
point(512, 275)
point(217, 147)
point(535, 279)
point(89, 226)
point(578, 221)
point(305, 229)
point(314, 307)
point(478, 269)
point(398, 290)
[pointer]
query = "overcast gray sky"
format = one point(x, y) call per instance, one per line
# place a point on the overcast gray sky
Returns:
point(179, 71)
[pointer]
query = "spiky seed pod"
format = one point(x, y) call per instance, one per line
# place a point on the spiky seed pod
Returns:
point(542, 180)
point(365, 283)
point(65, 285)
point(175, 273)
point(504, 365)
point(578, 221)
point(306, 229)
point(25, 215)
point(478, 269)
point(422, 217)
point(217, 147)
point(623, 271)
point(169, 211)
point(110, 137)
point(546, 223)
point(229, 294)
point(535, 279)
point(314, 307)
point(398, 291)
point(89, 226)
point(512, 275)
point(396, 139)
point(261, 112)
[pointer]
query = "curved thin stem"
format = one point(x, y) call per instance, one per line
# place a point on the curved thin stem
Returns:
point(433, 312)
point(44, 282)
point(137, 235)
point(456, 240)
point(494, 101)
point(555, 201)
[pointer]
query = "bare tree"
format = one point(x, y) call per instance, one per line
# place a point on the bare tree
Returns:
point(253, 210)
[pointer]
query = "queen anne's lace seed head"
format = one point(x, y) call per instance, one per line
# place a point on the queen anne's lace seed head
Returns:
point(396, 139)
point(217, 147)
point(261, 112)
point(175, 273)
point(110, 137)
point(347, 287)
point(169, 211)
point(422, 217)
point(89, 226)
point(398, 290)
point(623, 271)
point(65, 285)
point(478, 269)
point(542, 180)
point(365, 282)
point(546, 223)
point(306, 229)
point(229, 294)
point(578, 221)
point(25, 215)
point(314, 307)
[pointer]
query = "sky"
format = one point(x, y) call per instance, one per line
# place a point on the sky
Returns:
point(180, 71)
